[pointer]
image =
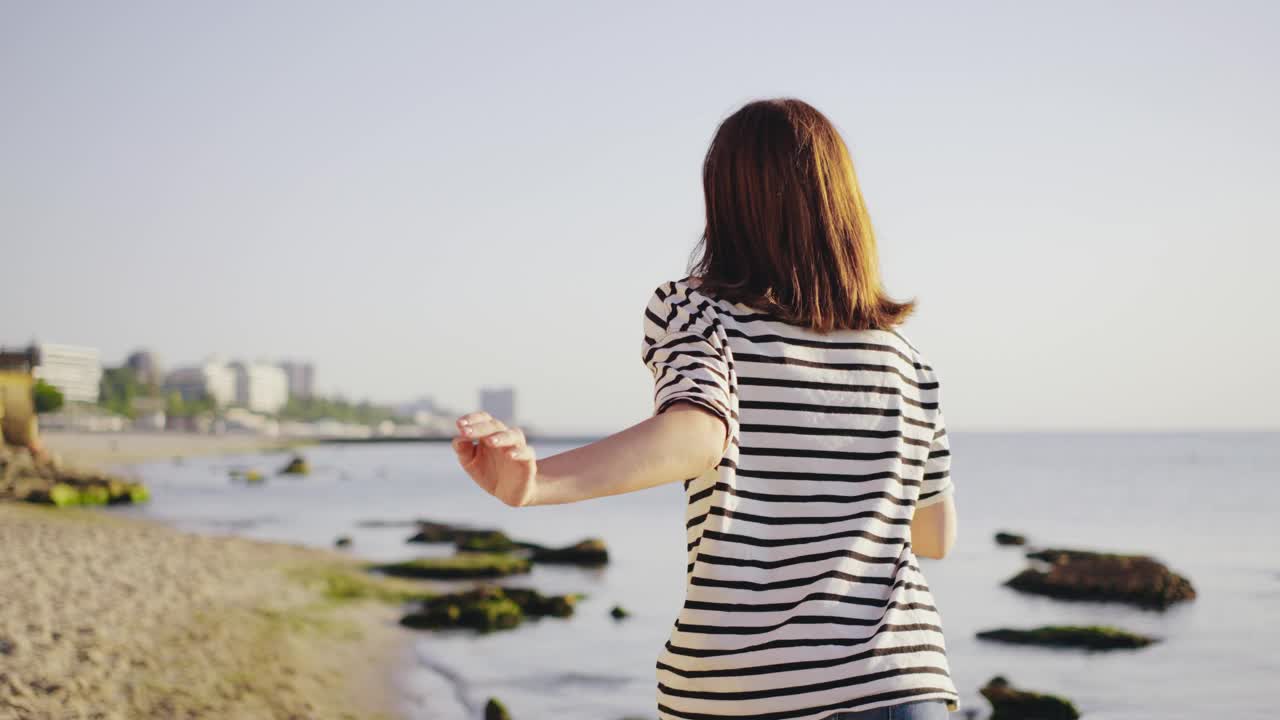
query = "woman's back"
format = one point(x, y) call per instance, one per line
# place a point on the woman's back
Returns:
point(804, 596)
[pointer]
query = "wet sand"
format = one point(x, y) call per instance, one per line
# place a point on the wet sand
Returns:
point(114, 618)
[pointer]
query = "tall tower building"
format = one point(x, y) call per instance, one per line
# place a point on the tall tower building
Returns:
point(499, 402)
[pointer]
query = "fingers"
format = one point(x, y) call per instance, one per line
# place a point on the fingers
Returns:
point(511, 438)
point(465, 449)
point(521, 453)
point(479, 425)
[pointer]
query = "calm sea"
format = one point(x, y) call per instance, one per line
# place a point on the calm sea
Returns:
point(1206, 504)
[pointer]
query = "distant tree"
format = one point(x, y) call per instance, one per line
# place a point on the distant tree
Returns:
point(117, 390)
point(46, 397)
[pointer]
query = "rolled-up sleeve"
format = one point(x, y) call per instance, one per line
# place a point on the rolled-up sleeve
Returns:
point(936, 485)
point(686, 355)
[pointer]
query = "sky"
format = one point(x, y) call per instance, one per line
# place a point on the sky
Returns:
point(428, 198)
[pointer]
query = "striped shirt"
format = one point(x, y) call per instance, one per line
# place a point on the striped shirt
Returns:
point(803, 595)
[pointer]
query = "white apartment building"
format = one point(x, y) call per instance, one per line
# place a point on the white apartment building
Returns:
point(499, 402)
point(260, 387)
point(75, 371)
point(214, 379)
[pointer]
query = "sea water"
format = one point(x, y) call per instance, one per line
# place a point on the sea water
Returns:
point(1205, 504)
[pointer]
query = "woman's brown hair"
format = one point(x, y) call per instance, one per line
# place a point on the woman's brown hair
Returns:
point(787, 231)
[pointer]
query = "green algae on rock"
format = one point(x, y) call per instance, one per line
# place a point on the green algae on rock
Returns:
point(495, 710)
point(591, 551)
point(297, 465)
point(1091, 637)
point(487, 608)
point(460, 565)
point(1010, 703)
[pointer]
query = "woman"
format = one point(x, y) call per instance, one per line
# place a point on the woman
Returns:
point(809, 439)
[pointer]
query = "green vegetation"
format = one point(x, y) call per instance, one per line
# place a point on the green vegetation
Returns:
point(342, 583)
point(117, 390)
point(461, 565)
point(1092, 637)
point(46, 397)
point(175, 406)
point(320, 408)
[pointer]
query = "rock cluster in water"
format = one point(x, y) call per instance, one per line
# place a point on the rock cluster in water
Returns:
point(1085, 575)
point(1092, 637)
point(1010, 703)
point(591, 551)
point(46, 481)
point(456, 567)
point(488, 608)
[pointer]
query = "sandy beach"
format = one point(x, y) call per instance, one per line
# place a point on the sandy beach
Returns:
point(113, 618)
point(115, 449)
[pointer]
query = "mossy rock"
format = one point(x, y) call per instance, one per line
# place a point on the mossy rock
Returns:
point(1091, 637)
point(483, 541)
point(495, 710)
point(535, 604)
point(460, 565)
point(94, 495)
point(138, 493)
point(1010, 703)
point(487, 608)
point(591, 551)
point(1008, 538)
point(58, 495)
point(1086, 575)
point(298, 465)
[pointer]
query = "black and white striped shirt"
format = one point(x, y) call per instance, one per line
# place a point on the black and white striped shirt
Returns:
point(804, 597)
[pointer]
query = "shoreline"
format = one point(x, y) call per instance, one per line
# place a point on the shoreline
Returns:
point(114, 450)
point(120, 617)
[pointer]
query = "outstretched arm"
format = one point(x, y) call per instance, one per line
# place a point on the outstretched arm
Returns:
point(683, 441)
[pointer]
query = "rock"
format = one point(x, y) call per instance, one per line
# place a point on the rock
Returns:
point(535, 604)
point(1008, 538)
point(461, 565)
point(298, 465)
point(618, 612)
point(495, 710)
point(591, 551)
point(342, 541)
point(487, 608)
point(94, 495)
point(1085, 575)
point(483, 541)
point(1009, 703)
point(58, 495)
point(434, 532)
point(1092, 637)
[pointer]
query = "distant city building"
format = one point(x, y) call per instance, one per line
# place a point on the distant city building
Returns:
point(500, 402)
point(423, 407)
point(301, 377)
point(260, 387)
point(146, 367)
point(75, 371)
point(214, 379)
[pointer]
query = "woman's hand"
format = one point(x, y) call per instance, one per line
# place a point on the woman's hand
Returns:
point(497, 457)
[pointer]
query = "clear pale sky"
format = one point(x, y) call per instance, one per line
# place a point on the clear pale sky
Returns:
point(424, 198)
